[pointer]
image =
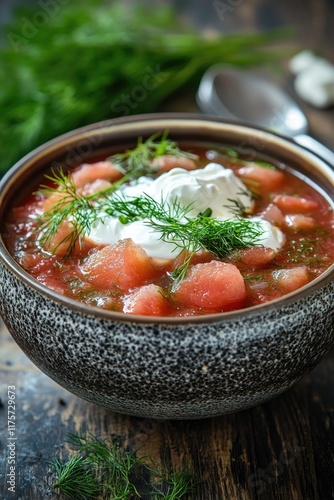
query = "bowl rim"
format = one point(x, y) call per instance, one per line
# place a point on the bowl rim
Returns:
point(90, 130)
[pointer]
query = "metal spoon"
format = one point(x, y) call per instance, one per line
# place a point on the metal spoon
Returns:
point(238, 94)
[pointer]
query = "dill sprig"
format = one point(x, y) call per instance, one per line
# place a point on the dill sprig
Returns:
point(68, 205)
point(102, 469)
point(215, 236)
point(237, 207)
point(76, 478)
point(145, 207)
point(141, 157)
point(219, 237)
point(189, 234)
point(177, 484)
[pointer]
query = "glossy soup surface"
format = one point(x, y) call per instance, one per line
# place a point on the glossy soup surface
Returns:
point(122, 277)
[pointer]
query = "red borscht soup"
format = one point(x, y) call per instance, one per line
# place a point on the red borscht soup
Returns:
point(159, 231)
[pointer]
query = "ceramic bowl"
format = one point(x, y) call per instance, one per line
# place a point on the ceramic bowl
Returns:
point(172, 368)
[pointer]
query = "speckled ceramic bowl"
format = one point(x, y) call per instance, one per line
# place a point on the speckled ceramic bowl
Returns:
point(174, 368)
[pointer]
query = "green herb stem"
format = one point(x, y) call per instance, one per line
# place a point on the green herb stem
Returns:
point(84, 66)
point(102, 469)
point(76, 478)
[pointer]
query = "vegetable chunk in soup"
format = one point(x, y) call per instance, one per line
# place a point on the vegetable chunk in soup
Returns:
point(158, 231)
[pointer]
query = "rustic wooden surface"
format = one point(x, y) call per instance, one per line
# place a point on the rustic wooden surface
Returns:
point(282, 450)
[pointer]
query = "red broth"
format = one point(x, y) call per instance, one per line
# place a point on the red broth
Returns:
point(122, 277)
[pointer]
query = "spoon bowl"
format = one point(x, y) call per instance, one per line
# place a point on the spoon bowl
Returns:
point(238, 94)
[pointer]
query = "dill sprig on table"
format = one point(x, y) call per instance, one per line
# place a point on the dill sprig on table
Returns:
point(76, 478)
point(101, 468)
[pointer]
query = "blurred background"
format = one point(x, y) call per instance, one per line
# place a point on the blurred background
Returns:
point(68, 63)
point(312, 20)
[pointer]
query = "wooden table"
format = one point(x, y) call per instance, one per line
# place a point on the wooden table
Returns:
point(282, 450)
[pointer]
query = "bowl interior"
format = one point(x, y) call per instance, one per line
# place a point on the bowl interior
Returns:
point(97, 141)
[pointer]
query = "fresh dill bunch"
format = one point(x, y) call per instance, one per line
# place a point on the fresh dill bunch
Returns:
point(52, 88)
point(77, 478)
point(140, 158)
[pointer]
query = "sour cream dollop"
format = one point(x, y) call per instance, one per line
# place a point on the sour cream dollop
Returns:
point(211, 187)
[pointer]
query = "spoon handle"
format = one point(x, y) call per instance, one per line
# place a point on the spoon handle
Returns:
point(316, 147)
